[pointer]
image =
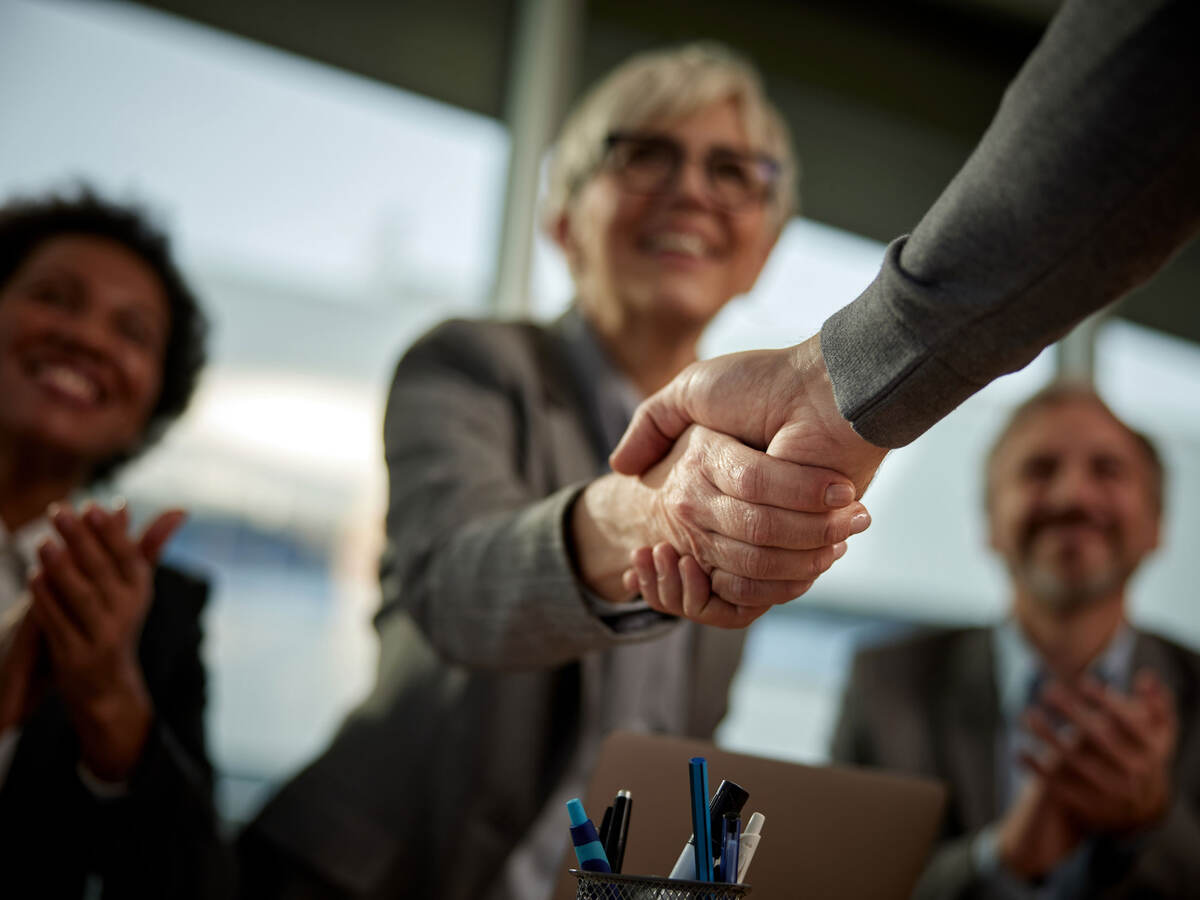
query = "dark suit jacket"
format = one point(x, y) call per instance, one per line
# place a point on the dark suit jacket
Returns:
point(488, 648)
point(928, 705)
point(160, 840)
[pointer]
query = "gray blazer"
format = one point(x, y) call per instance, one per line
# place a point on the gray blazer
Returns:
point(928, 705)
point(488, 646)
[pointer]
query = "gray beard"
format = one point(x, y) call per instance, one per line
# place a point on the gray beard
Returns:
point(1061, 595)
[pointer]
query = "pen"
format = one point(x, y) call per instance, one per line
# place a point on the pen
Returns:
point(614, 845)
point(605, 825)
point(731, 832)
point(749, 843)
point(730, 797)
point(588, 849)
point(701, 827)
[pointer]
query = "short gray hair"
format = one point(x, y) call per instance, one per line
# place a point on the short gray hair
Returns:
point(1060, 393)
point(662, 85)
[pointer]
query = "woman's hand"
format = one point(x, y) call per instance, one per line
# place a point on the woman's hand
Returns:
point(734, 510)
point(90, 598)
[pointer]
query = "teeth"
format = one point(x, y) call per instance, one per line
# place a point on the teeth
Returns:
point(678, 242)
point(70, 382)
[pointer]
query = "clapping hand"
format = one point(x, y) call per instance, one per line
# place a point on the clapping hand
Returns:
point(1110, 767)
point(90, 596)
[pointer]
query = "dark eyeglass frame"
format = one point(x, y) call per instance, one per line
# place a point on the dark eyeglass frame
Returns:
point(768, 168)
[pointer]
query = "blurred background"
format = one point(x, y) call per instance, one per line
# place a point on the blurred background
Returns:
point(339, 176)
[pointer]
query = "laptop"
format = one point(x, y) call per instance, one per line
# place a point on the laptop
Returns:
point(831, 832)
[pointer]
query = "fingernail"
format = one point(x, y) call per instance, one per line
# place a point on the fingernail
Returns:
point(860, 522)
point(839, 550)
point(92, 514)
point(839, 495)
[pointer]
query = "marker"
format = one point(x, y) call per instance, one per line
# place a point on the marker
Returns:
point(614, 846)
point(730, 797)
point(588, 849)
point(749, 843)
point(701, 826)
point(731, 832)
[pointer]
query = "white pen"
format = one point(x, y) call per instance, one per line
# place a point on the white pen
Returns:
point(749, 843)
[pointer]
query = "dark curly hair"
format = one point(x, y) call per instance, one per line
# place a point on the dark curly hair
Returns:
point(27, 223)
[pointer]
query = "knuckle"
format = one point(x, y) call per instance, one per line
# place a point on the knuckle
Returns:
point(745, 480)
point(739, 589)
point(819, 561)
point(684, 510)
point(758, 527)
point(757, 565)
point(835, 530)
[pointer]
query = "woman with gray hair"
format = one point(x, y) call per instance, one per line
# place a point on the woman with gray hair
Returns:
point(510, 646)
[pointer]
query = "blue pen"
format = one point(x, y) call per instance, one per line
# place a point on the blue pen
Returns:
point(588, 849)
point(698, 773)
point(731, 833)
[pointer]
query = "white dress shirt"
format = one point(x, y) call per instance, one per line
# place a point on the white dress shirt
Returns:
point(18, 557)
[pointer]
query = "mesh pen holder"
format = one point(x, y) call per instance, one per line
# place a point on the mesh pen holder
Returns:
point(604, 886)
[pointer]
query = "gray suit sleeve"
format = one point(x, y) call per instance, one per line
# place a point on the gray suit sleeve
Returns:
point(1084, 184)
point(474, 554)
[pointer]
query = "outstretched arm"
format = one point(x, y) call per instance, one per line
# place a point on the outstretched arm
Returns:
point(1085, 183)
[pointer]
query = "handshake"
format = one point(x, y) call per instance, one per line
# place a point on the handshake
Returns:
point(734, 488)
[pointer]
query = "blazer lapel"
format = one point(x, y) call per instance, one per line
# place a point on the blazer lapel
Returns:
point(1151, 652)
point(970, 714)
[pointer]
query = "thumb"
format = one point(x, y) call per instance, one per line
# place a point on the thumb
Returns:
point(158, 532)
point(659, 420)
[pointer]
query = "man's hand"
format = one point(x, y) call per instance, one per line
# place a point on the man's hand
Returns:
point(780, 401)
point(737, 512)
point(1111, 769)
point(90, 599)
point(1036, 834)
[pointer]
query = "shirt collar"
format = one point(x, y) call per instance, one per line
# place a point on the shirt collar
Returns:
point(21, 546)
point(1018, 664)
point(25, 540)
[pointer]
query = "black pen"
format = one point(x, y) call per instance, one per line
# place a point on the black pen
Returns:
point(606, 827)
point(619, 832)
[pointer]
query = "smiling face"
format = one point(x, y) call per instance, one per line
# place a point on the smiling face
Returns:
point(1073, 504)
point(83, 328)
point(671, 257)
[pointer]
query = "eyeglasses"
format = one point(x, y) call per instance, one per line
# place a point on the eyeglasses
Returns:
point(648, 163)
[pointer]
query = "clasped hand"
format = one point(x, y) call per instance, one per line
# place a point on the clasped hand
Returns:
point(1110, 766)
point(1104, 768)
point(744, 519)
point(778, 405)
point(88, 601)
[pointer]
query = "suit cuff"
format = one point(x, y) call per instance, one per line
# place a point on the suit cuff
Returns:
point(624, 618)
point(985, 852)
point(990, 869)
point(99, 788)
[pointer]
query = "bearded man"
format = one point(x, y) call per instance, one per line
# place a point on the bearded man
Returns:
point(1067, 736)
